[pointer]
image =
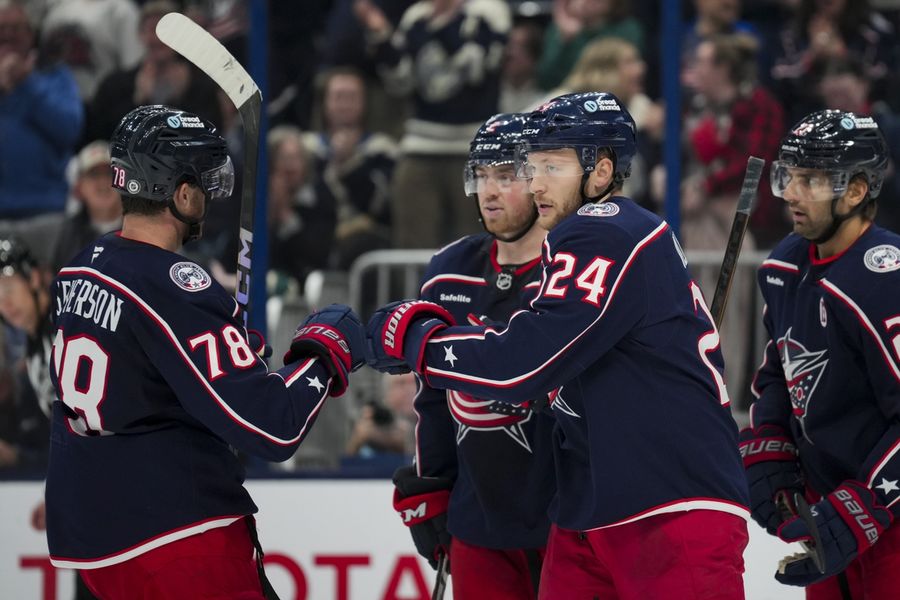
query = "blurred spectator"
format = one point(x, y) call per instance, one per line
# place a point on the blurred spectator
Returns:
point(519, 90)
point(614, 65)
point(99, 206)
point(24, 405)
point(40, 120)
point(387, 428)
point(732, 117)
point(826, 29)
point(94, 38)
point(447, 54)
point(575, 24)
point(714, 17)
point(162, 77)
point(355, 164)
point(301, 210)
point(843, 85)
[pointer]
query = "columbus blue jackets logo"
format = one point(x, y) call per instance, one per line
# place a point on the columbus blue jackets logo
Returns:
point(803, 370)
point(604, 209)
point(488, 415)
point(882, 259)
point(189, 276)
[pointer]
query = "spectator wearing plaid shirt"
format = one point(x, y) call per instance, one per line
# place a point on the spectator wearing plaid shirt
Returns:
point(732, 117)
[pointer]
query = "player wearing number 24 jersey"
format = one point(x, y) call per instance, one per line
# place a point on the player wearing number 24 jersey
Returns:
point(651, 495)
point(157, 385)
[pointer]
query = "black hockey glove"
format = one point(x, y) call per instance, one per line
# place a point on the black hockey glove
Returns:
point(849, 522)
point(422, 504)
point(770, 459)
point(397, 334)
point(334, 334)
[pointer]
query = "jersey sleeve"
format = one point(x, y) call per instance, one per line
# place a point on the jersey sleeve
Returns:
point(869, 323)
point(591, 295)
point(435, 434)
point(197, 344)
point(773, 402)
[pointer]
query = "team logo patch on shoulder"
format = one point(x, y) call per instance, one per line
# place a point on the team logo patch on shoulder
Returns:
point(189, 276)
point(882, 259)
point(604, 209)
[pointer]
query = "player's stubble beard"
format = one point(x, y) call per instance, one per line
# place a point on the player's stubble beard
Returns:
point(562, 207)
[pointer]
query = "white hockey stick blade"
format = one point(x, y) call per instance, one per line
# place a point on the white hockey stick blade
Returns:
point(196, 44)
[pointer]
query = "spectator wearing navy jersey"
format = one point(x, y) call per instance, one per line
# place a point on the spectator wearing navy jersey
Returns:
point(621, 339)
point(446, 55)
point(826, 421)
point(355, 164)
point(157, 385)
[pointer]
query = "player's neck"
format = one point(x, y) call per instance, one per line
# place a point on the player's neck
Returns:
point(526, 248)
point(847, 233)
point(155, 230)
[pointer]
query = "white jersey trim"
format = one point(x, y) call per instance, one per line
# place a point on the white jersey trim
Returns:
point(436, 339)
point(184, 355)
point(452, 277)
point(780, 264)
point(683, 506)
point(152, 544)
point(861, 315)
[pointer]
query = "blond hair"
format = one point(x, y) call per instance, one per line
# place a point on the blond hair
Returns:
point(598, 67)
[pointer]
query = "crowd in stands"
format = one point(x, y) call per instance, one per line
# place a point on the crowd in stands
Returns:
point(372, 105)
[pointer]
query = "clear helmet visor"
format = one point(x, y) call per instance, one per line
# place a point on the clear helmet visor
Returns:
point(219, 182)
point(814, 184)
point(538, 160)
point(479, 175)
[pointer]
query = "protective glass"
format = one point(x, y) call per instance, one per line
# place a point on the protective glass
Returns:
point(816, 184)
point(219, 182)
point(478, 175)
point(535, 160)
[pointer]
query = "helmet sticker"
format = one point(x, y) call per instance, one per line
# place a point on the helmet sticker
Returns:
point(604, 209)
point(847, 123)
point(190, 276)
point(174, 122)
point(882, 259)
point(590, 106)
point(133, 186)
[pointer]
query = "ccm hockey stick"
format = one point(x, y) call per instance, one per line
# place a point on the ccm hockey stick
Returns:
point(736, 238)
point(194, 43)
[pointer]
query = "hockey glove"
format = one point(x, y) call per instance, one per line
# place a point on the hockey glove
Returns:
point(334, 334)
point(397, 334)
point(422, 504)
point(770, 459)
point(849, 522)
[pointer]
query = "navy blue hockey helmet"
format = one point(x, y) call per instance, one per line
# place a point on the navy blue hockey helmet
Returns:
point(587, 122)
point(840, 143)
point(494, 144)
point(15, 258)
point(155, 148)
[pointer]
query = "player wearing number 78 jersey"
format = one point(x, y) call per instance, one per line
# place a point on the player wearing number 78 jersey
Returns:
point(156, 383)
point(651, 499)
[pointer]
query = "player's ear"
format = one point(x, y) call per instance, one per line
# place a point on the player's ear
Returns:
point(856, 191)
point(601, 176)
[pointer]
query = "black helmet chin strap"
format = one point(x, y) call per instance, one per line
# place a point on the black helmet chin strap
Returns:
point(585, 199)
point(837, 220)
point(195, 227)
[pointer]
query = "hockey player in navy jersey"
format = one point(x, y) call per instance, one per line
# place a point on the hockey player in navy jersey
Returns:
point(493, 460)
point(156, 384)
point(651, 496)
point(827, 415)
